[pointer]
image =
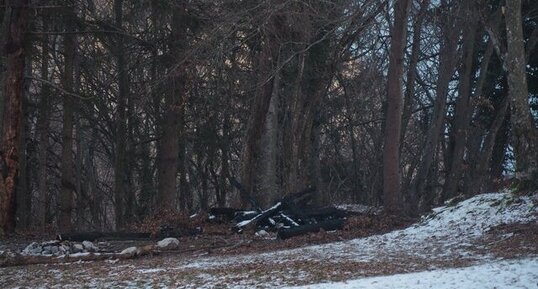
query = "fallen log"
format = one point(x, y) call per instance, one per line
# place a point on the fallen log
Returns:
point(19, 260)
point(258, 219)
point(328, 225)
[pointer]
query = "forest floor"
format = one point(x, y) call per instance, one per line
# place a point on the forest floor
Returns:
point(488, 241)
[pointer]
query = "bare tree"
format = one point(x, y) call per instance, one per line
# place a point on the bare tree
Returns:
point(525, 134)
point(391, 149)
point(12, 116)
point(67, 183)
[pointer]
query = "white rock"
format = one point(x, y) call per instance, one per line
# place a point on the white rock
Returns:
point(54, 250)
point(32, 249)
point(168, 244)
point(89, 246)
point(262, 233)
point(129, 251)
point(64, 248)
point(77, 248)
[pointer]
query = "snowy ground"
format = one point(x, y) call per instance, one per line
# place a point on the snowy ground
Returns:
point(453, 237)
point(500, 274)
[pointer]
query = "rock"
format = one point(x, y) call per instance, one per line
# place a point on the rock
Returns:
point(54, 250)
point(32, 249)
point(262, 233)
point(77, 248)
point(7, 254)
point(168, 244)
point(64, 248)
point(89, 246)
point(131, 251)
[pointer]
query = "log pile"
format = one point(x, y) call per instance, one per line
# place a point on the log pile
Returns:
point(288, 216)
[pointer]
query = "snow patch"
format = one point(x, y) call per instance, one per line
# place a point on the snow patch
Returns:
point(501, 274)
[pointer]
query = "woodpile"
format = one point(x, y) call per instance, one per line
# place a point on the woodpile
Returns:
point(288, 216)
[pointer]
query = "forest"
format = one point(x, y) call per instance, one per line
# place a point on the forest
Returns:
point(117, 110)
point(269, 143)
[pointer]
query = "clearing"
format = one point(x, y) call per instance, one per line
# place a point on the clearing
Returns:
point(488, 241)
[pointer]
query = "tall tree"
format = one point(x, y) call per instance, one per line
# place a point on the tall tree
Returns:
point(450, 30)
point(463, 108)
point(67, 183)
point(173, 104)
point(120, 174)
point(12, 117)
point(525, 134)
point(391, 149)
point(43, 128)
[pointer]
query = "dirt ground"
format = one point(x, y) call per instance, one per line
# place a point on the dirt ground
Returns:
point(185, 267)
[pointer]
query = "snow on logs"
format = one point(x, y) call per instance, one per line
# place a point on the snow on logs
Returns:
point(287, 216)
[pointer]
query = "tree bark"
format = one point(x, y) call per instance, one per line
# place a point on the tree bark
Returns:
point(120, 170)
point(525, 135)
point(67, 184)
point(450, 30)
point(412, 70)
point(463, 109)
point(24, 183)
point(257, 117)
point(12, 117)
point(269, 187)
point(391, 149)
point(174, 102)
point(43, 129)
point(4, 25)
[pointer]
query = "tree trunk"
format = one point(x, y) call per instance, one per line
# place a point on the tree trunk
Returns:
point(120, 170)
point(24, 184)
point(256, 121)
point(5, 14)
point(174, 102)
point(525, 135)
point(478, 184)
point(43, 130)
point(412, 70)
point(391, 149)
point(463, 109)
point(67, 184)
point(269, 187)
point(450, 32)
point(12, 117)
point(185, 194)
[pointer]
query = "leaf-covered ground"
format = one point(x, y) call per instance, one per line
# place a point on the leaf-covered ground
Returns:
point(486, 229)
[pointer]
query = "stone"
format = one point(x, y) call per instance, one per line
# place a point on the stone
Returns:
point(77, 248)
point(262, 233)
point(32, 249)
point(168, 244)
point(64, 248)
point(89, 246)
point(54, 250)
point(131, 251)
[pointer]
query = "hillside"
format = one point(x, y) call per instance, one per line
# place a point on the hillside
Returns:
point(488, 240)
